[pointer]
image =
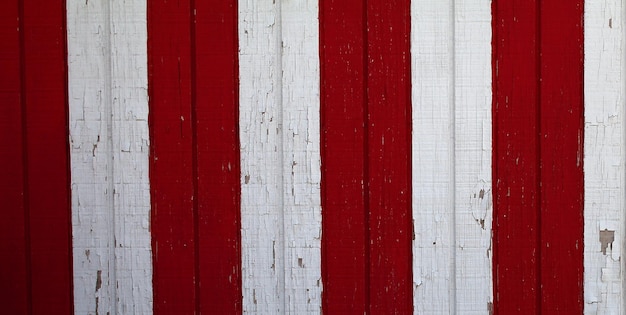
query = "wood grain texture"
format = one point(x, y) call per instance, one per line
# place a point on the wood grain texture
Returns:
point(450, 44)
point(280, 177)
point(604, 157)
point(109, 154)
point(194, 156)
point(36, 244)
point(366, 115)
point(538, 108)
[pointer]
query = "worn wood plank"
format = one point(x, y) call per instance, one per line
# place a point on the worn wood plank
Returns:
point(604, 148)
point(109, 153)
point(561, 165)
point(279, 134)
point(217, 153)
point(366, 156)
point(14, 251)
point(473, 156)
point(516, 157)
point(434, 247)
point(388, 132)
point(452, 156)
point(538, 156)
point(46, 154)
point(172, 161)
point(343, 89)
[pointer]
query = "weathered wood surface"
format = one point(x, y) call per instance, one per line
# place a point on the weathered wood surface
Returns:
point(604, 154)
point(109, 146)
point(299, 157)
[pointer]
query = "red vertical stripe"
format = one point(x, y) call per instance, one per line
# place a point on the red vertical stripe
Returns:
point(343, 66)
point(389, 160)
point(171, 160)
point(14, 274)
point(366, 164)
point(217, 116)
point(538, 123)
point(562, 125)
point(194, 165)
point(35, 155)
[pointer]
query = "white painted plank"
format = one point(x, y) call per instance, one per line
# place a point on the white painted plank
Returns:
point(280, 160)
point(433, 156)
point(604, 156)
point(108, 100)
point(452, 205)
point(301, 156)
point(473, 150)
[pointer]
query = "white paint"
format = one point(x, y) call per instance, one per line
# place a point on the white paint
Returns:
point(452, 203)
point(109, 156)
point(280, 156)
point(604, 148)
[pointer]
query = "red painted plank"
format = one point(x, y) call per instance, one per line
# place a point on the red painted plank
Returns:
point(194, 171)
point(365, 108)
point(217, 112)
point(45, 73)
point(14, 286)
point(171, 161)
point(516, 157)
point(562, 124)
point(345, 268)
point(389, 164)
point(537, 157)
point(35, 90)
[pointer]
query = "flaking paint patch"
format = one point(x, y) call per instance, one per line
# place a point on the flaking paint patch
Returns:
point(607, 237)
point(98, 280)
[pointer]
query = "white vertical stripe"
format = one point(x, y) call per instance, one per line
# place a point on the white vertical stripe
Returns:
point(604, 156)
point(452, 205)
point(109, 155)
point(433, 142)
point(473, 151)
point(280, 159)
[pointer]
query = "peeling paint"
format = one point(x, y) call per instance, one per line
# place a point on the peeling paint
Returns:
point(607, 237)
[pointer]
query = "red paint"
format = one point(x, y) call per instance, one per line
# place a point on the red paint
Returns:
point(217, 130)
point(36, 265)
point(366, 162)
point(194, 165)
point(538, 125)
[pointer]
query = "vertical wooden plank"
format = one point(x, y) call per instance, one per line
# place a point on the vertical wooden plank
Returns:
point(472, 156)
point(301, 155)
point(561, 166)
point(538, 151)
point(109, 137)
point(279, 132)
point(218, 165)
point(14, 253)
point(172, 162)
point(434, 248)
point(604, 156)
point(450, 44)
point(44, 86)
point(388, 167)
point(261, 125)
point(130, 153)
point(366, 159)
point(345, 243)
point(516, 169)
point(195, 156)
point(89, 71)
